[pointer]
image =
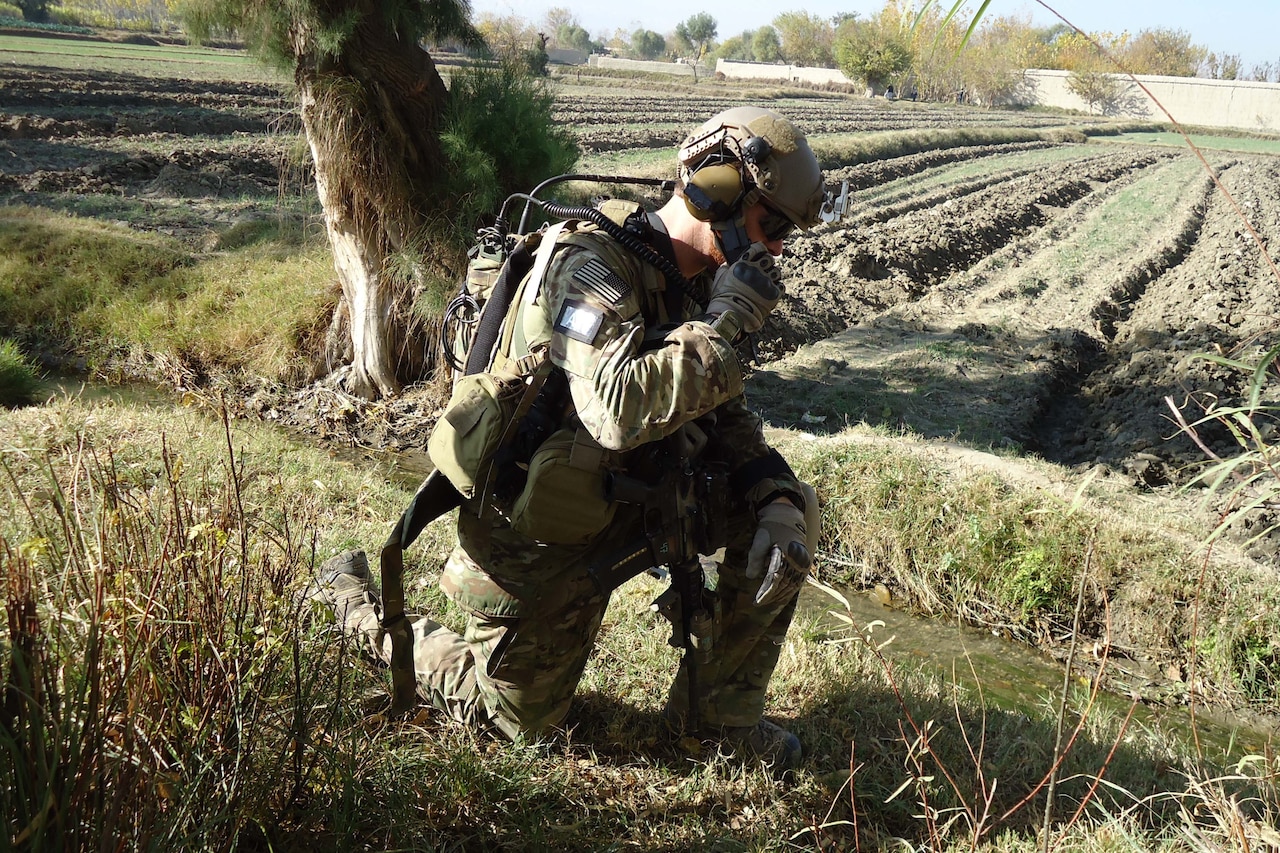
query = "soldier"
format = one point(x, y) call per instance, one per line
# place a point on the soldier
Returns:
point(640, 361)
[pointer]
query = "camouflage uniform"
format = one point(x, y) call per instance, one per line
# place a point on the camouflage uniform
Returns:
point(636, 374)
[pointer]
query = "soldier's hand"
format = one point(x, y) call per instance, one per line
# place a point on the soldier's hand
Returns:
point(747, 288)
point(779, 553)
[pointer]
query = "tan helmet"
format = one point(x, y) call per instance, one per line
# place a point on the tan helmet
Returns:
point(746, 153)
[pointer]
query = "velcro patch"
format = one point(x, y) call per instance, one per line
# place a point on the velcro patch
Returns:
point(579, 320)
point(596, 279)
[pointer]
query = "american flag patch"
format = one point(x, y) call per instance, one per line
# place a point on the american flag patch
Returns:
point(596, 279)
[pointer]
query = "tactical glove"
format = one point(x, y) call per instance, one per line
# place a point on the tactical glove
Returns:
point(747, 288)
point(780, 552)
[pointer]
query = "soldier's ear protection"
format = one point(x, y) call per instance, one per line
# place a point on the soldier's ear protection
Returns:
point(715, 189)
point(714, 193)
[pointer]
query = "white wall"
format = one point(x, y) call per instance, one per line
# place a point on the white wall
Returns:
point(1190, 100)
point(640, 65)
point(770, 71)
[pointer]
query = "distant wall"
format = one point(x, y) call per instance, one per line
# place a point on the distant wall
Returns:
point(566, 56)
point(1190, 100)
point(772, 71)
point(640, 65)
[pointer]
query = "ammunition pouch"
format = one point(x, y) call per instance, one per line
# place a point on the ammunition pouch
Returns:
point(563, 501)
point(482, 414)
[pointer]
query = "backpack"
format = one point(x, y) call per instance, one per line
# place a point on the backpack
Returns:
point(498, 440)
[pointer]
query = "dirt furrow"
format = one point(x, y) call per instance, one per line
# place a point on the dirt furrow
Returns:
point(1217, 298)
point(883, 210)
point(881, 172)
point(843, 275)
point(179, 173)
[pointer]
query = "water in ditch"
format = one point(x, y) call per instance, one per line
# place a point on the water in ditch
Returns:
point(1014, 677)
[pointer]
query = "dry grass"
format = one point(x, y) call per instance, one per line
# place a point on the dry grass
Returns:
point(150, 556)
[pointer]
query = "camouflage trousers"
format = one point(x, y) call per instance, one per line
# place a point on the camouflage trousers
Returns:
point(534, 614)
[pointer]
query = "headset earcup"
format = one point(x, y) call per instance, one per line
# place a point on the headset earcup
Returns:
point(713, 193)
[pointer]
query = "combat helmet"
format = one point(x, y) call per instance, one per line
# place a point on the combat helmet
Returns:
point(746, 154)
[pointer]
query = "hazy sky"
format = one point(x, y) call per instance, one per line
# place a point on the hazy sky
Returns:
point(1250, 28)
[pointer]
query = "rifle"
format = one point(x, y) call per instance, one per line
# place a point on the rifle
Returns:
point(684, 515)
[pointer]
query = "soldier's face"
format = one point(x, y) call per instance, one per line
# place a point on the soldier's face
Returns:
point(768, 227)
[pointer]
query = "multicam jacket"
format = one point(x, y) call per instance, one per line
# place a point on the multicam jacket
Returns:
point(636, 373)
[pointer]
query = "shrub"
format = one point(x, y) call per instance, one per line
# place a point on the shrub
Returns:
point(499, 138)
point(18, 380)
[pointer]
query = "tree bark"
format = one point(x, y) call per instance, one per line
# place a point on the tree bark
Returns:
point(371, 116)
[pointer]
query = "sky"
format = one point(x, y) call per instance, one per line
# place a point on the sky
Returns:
point(1250, 28)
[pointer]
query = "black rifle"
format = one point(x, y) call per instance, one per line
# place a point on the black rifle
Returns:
point(685, 515)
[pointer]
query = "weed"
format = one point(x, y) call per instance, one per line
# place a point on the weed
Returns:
point(1032, 285)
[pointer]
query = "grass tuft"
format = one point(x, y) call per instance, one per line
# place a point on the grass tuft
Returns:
point(92, 288)
point(19, 383)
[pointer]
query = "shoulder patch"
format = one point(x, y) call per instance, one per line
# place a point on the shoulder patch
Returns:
point(596, 279)
point(579, 320)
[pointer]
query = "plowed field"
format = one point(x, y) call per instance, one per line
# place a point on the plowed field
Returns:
point(1042, 297)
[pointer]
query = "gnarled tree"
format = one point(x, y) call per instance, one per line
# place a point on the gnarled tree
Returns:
point(374, 107)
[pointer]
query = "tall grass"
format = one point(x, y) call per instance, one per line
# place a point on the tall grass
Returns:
point(162, 689)
point(1245, 488)
point(19, 383)
point(96, 289)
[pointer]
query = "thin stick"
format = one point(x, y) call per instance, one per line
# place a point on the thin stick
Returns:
point(1066, 688)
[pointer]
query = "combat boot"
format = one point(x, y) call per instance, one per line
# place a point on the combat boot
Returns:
point(343, 584)
point(769, 742)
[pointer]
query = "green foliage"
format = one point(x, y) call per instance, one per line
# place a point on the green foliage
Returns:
point(805, 39)
point(698, 31)
point(736, 48)
point(766, 45)
point(871, 52)
point(499, 138)
point(646, 44)
point(20, 24)
point(270, 29)
point(18, 380)
point(574, 37)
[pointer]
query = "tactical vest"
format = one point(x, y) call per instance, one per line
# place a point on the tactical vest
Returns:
point(507, 439)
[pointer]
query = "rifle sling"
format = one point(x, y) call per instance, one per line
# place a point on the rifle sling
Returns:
point(435, 497)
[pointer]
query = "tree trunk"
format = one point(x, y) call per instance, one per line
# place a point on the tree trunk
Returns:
point(371, 116)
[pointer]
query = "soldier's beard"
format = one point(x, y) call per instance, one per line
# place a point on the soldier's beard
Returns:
point(716, 254)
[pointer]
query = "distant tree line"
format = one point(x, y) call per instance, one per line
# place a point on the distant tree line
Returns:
point(890, 47)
